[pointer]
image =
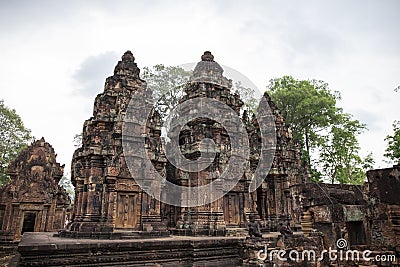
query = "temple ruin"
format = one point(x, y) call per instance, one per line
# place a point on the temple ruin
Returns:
point(33, 201)
point(108, 199)
point(115, 222)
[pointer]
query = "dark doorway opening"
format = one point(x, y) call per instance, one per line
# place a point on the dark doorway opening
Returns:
point(2, 217)
point(356, 233)
point(29, 222)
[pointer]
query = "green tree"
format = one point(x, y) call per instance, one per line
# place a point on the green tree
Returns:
point(14, 137)
point(167, 83)
point(309, 107)
point(247, 95)
point(66, 183)
point(392, 151)
point(328, 136)
point(339, 152)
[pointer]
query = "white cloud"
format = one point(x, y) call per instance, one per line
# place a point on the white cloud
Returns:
point(51, 50)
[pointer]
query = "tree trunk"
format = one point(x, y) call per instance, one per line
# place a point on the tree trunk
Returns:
point(308, 150)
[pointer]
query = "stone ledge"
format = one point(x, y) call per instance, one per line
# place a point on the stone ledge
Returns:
point(43, 249)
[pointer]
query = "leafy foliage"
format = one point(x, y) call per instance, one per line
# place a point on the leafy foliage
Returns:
point(14, 137)
point(310, 108)
point(66, 183)
point(167, 84)
point(339, 152)
point(392, 151)
point(247, 95)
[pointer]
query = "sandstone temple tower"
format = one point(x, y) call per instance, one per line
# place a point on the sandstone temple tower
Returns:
point(107, 199)
point(33, 201)
point(208, 81)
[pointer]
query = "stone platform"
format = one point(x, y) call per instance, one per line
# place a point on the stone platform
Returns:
point(44, 249)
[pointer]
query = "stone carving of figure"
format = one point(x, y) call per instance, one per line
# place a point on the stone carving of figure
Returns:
point(78, 168)
point(254, 227)
point(96, 201)
point(285, 230)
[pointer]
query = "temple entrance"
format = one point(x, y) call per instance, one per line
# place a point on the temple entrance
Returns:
point(356, 233)
point(231, 209)
point(29, 222)
point(127, 216)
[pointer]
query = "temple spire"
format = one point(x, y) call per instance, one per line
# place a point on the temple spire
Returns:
point(207, 56)
point(127, 66)
point(209, 71)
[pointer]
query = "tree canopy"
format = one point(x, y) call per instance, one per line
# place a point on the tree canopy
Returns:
point(14, 137)
point(339, 152)
point(309, 107)
point(66, 183)
point(168, 83)
point(392, 151)
point(328, 136)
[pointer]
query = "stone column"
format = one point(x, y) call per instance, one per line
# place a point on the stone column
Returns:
point(78, 198)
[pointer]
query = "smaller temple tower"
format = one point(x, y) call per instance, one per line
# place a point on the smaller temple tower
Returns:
point(33, 201)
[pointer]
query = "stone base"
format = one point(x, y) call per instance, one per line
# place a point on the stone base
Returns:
point(151, 223)
point(198, 223)
point(111, 235)
point(43, 249)
point(91, 227)
point(150, 226)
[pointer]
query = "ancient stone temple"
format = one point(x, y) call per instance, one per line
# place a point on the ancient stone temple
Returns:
point(33, 201)
point(110, 204)
point(107, 199)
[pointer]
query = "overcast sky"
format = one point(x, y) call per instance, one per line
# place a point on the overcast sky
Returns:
point(55, 55)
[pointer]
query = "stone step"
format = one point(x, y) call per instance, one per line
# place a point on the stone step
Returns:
point(8, 248)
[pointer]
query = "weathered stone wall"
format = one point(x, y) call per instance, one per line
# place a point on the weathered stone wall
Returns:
point(337, 211)
point(384, 198)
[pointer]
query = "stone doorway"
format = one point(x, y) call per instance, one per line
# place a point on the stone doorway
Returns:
point(356, 233)
point(231, 209)
point(29, 222)
point(127, 215)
